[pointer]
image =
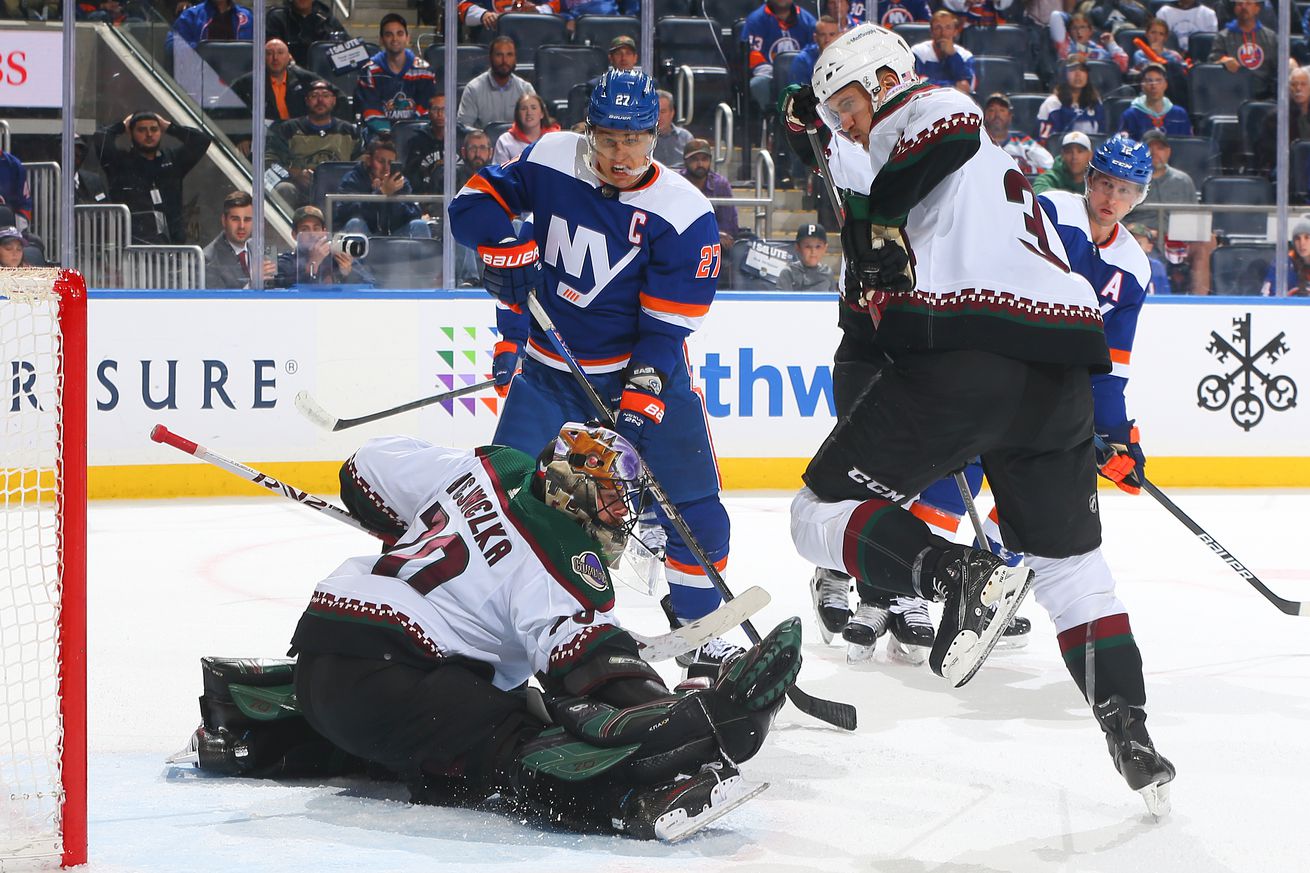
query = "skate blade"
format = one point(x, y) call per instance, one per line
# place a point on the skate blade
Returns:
point(968, 650)
point(1156, 795)
point(857, 654)
point(913, 655)
point(1011, 644)
point(676, 826)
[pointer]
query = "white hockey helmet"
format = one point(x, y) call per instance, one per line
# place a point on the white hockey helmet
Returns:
point(857, 56)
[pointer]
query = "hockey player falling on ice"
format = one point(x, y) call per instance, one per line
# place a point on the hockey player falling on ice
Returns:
point(417, 660)
point(624, 256)
point(993, 339)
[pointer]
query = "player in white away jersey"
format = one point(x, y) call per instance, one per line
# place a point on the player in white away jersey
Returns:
point(993, 339)
point(417, 659)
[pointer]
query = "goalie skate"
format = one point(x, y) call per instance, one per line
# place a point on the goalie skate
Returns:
point(676, 810)
point(973, 580)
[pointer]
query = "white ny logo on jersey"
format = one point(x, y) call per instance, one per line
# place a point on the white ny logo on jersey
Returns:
point(570, 254)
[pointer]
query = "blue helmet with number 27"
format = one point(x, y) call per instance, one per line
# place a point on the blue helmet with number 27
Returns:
point(624, 100)
point(1126, 160)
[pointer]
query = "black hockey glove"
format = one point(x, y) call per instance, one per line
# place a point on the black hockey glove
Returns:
point(798, 106)
point(1119, 457)
point(877, 259)
point(510, 269)
point(640, 405)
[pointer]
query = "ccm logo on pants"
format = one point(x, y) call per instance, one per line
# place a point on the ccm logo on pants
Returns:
point(875, 486)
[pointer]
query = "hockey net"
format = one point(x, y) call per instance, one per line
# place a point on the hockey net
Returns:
point(43, 582)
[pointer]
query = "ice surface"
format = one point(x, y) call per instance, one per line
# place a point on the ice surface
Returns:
point(1006, 774)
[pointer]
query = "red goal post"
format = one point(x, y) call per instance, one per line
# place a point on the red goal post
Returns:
point(43, 788)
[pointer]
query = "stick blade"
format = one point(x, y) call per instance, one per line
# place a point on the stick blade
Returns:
point(312, 410)
point(837, 714)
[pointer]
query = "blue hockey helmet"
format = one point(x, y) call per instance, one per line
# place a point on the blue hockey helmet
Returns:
point(624, 100)
point(1125, 159)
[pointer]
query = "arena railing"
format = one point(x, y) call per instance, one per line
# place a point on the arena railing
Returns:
point(164, 267)
point(44, 180)
point(724, 124)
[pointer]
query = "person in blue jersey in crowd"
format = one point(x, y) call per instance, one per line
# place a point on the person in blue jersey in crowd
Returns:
point(624, 254)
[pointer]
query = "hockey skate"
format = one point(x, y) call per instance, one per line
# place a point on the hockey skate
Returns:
point(970, 581)
point(1144, 769)
point(675, 810)
point(911, 629)
point(830, 592)
point(863, 630)
point(709, 658)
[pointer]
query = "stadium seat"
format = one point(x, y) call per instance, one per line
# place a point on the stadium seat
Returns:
point(1004, 41)
point(1238, 190)
point(600, 30)
point(1114, 110)
point(1024, 108)
point(1251, 117)
point(722, 10)
point(531, 31)
point(1193, 155)
point(495, 129)
point(327, 179)
point(1299, 178)
point(1105, 76)
point(1199, 45)
point(230, 59)
point(782, 63)
point(402, 262)
point(692, 42)
point(470, 61)
point(560, 67)
point(1240, 269)
point(997, 74)
point(914, 32)
point(403, 133)
point(1125, 36)
point(1215, 91)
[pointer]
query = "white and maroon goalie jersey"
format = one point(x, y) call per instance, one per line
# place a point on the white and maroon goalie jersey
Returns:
point(991, 271)
point(484, 572)
point(629, 274)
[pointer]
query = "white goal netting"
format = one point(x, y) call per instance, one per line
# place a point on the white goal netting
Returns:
point(31, 515)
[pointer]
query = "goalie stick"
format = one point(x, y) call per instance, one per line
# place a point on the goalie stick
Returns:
point(1291, 607)
point(687, 638)
point(841, 715)
point(314, 411)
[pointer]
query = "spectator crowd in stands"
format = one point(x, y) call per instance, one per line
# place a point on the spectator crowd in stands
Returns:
point(1053, 78)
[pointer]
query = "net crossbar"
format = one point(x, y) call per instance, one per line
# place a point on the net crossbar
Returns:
point(42, 593)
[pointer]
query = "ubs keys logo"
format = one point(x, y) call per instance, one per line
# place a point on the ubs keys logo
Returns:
point(1247, 409)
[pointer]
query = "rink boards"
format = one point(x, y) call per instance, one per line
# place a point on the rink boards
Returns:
point(1215, 385)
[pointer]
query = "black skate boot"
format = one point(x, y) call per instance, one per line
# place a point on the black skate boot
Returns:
point(677, 809)
point(863, 630)
point(709, 658)
point(1015, 635)
point(1144, 769)
point(969, 581)
point(911, 630)
point(831, 593)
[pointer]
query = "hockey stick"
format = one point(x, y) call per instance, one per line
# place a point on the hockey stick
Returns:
point(825, 172)
point(1291, 607)
point(314, 411)
point(839, 714)
point(659, 648)
point(967, 496)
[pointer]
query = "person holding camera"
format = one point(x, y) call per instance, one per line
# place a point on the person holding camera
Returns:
point(378, 172)
point(319, 258)
point(229, 258)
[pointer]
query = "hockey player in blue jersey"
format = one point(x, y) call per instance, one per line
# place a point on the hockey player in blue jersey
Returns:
point(624, 255)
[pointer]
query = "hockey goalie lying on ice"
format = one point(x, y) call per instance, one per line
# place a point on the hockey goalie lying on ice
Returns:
point(415, 663)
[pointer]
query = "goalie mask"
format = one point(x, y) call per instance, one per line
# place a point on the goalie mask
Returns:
point(592, 475)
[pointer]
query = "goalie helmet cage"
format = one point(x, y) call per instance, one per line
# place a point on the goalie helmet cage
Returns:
point(43, 586)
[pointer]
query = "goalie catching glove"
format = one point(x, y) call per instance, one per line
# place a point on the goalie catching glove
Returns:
point(639, 405)
point(511, 269)
point(1120, 459)
point(878, 263)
